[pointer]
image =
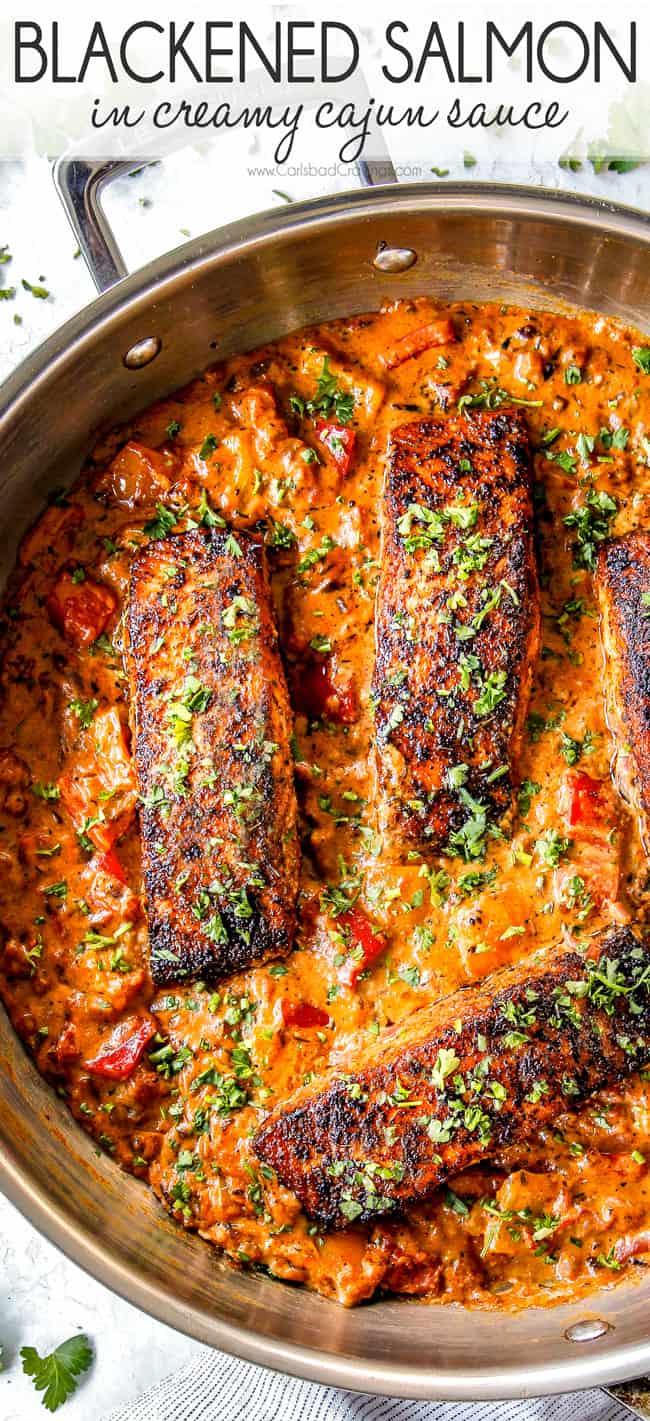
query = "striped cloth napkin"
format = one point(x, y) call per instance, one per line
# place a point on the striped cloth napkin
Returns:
point(224, 1389)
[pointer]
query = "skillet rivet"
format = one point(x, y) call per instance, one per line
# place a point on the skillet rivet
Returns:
point(394, 259)
point(588, 1330)
point(142, 353)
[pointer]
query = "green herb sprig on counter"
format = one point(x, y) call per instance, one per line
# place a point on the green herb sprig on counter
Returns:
point(56, 1373)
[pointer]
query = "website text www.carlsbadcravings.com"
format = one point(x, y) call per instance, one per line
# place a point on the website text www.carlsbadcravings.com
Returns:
point(337, 170)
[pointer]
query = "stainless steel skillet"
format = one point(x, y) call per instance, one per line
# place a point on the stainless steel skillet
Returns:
point(149, 333)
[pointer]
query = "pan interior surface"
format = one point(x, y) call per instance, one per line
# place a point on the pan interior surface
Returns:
point(226, 292)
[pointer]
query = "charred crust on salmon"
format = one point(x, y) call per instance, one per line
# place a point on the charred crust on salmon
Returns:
point(211, 728)
point(623, 589)
point(462, 1079)
point(457, 629)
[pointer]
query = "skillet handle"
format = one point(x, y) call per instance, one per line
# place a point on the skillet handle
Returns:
point(79, 183)
point(374, 171)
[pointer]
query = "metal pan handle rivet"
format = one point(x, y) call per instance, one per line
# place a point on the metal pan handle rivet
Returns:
point(394, 259)
point(588, 1330)
point(142, 353)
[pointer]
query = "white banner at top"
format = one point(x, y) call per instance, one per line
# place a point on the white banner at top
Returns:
point(425, 85)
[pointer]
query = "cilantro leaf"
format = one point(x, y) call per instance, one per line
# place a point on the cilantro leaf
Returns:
point(210, 443)
point(552, 848)
point(162, 524)
point(44, 791)
point(40, 292)
point(611, 163)
point(585, 446)
point(490, 396)
point(492, 692)
point(84, 710)
point(207, 516)
point(280, 536)
point(570, 748)
point(565, 459)
point(330, 397)
point(455, 1202)
point(592, 521)
point(525, 794)
point(641, 357)
point(55, 1373)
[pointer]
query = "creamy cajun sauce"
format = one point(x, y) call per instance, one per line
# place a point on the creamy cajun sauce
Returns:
point(246, 442)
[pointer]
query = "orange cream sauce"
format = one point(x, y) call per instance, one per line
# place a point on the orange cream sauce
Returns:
point(243, 443)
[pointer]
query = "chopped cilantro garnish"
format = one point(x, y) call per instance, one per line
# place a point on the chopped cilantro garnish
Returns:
point(328, 398)
point(469, 840)
point(492, 692)
point(446, 1063)
point(56, 890)
point(592, 522)
point(43, 791)
point(454, 1201)
point(566, 461)
point(280, 536)
point(316, 554)
point(207, 516)
point(208, 446)
point(40, 292)
point(84, 710)
point(552, 848)
point(641, 357)
point(525, 793)
point(163, 523)
point(490, 396)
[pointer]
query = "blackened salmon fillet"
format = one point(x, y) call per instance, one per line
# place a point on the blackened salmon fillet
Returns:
point(211, 731)
point(457, 626)
point(623, 588)
point(458, 1081)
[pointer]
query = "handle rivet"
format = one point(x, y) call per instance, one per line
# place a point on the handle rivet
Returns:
point(588, 1330)
point(393, 259)
point(142, 353)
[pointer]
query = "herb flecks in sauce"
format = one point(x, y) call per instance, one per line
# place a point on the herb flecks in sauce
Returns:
point(381, 930)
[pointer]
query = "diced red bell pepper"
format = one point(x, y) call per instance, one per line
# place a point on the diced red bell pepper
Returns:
point(588, 812)
point(365, 945)
point(318, 695)
point(415, 342)
point(67, 1047)
point(585, 807)
point(303, 1014)
point(109, 863)
point(340, 442)
point(80, 610)
point(124, 1049)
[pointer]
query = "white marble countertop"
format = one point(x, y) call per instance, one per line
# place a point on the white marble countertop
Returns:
point(44, 1297)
